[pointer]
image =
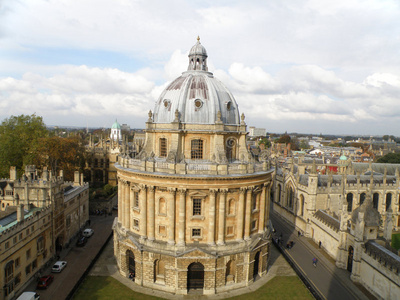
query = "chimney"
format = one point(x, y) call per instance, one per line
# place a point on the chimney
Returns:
point(76, 178)
point(13, 173)
point(82, 183)
point(20, 213)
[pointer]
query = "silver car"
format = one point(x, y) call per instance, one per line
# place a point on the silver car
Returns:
point(58, 266)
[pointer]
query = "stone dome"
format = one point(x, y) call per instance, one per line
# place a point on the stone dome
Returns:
point(116, 125)
point(197, 95)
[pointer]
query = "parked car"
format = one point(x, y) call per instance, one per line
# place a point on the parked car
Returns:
point(44, 281)
point(88, 232)
point(29, 296)
point(81, 241)
point(58, 266)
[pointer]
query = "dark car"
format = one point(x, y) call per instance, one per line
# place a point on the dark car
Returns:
point(81, 241)
point(44, 281)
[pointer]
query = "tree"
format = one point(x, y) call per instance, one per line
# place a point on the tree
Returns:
point(284, 139)
point(58, 153)
point(265, 142)
point(390, 158)
point(18, 136)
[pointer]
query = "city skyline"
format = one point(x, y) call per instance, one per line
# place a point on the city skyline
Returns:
point(308, 66)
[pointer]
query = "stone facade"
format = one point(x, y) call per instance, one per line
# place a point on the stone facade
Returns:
point(193, 205)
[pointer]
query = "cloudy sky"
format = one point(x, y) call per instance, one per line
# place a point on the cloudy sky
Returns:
point(330, 67)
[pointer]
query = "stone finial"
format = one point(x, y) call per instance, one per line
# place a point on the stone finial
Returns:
point(150, 116)
point(219, 116)
point(176, 116)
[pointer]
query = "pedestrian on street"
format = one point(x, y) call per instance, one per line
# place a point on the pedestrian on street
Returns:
point(314, 262)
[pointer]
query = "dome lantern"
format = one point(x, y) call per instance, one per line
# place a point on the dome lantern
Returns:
point(198, 57)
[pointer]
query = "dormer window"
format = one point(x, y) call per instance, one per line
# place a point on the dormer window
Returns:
point(198, 103)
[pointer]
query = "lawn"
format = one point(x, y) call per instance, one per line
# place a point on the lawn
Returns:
point(99, 287)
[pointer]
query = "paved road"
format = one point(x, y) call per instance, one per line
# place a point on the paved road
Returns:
point(332, 282)
point(78, 260)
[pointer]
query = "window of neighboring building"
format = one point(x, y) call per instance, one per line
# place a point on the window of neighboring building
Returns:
point(163, 147)
point(20, 236)
point(40, 244)
point(349, 199)
point(27, 231)
point(14, 240)
point(9, 272)
point(28, 269)
point(7, 245)
point(68, 221)
point(17, 262)
point(17, 279)
point(196, 232)
point(362, 198)
point(388, 201)
point(197, 149)
point(28, 254)
point(34, 264)
point(196, 207)
point(375, 201)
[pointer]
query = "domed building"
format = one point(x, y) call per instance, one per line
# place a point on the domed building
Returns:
point(194, 203)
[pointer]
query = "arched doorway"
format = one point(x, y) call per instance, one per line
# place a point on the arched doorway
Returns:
point(350, 259)
point(195, 276)
point(131, 263)
point(256, 265)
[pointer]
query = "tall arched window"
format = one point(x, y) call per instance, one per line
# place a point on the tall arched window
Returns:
point(362, 198)
point(375, 201)
point(388, 201)
point(290, 197)
point(301, 205)
point(349, 202)
point(163, 147)
point(196, 149)
point(231, 149)
point(279, 193)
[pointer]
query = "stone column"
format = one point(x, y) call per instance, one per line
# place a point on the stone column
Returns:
point(143, 211)
point(221, 217)
point(267, 201)
point(119, 200)
point(211, 228)
point(171, 216)
point(131, 199)
point(240, 212)
point(182, 217)
point(262, 211)
point(247, 221)
point(151, 228)
point(126, 206)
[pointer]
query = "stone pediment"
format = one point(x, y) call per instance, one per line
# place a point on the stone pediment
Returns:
point(197, 252)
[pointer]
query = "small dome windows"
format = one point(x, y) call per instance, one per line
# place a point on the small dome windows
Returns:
point(198, 104)
point(167, 103)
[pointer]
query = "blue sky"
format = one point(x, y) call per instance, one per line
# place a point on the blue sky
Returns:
point(311, 66)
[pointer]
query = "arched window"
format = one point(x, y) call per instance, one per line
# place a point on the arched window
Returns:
point(230, 271)
point(279, 193)
point(254, 202)
point(163, 147)
point(9, 271)
point(362, 198)
point(196, 149)
point(231, 149)
point(290, 197)
point(388, 201)
point(349, 202)
point(375, 201)
point(130, 260)
point(40, 244)
point(159, 271)
point(162, 206)
point(231, 207)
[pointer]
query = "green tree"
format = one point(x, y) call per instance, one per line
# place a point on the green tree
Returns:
point(18, 136)
point(58, 153)
point(390, 158)
point(266, 142)
point(284, 139)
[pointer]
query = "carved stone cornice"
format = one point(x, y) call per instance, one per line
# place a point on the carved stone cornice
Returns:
point(224, 191)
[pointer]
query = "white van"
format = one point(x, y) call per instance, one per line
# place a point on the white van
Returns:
point(29, 296)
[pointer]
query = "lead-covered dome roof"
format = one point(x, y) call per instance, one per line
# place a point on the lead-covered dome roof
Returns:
point(199, 97)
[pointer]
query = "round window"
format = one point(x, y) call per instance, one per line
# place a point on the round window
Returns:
point(166, 103)
point(198, 103)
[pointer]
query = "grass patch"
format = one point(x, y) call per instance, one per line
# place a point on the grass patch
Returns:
point(279, 287)
point(102, 287)
point(106, 287)
point(396, 241)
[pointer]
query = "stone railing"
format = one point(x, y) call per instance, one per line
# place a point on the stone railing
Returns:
point(193, 167)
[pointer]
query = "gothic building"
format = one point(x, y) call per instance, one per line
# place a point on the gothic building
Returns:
point(194, 203)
